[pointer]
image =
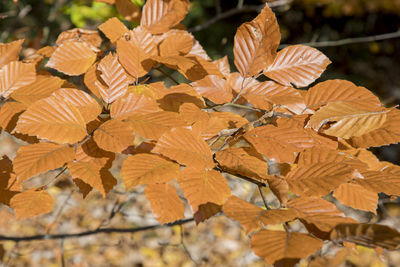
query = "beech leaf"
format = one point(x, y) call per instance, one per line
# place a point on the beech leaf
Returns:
point(10, 52)
point(15, 75)
point(31, 203)
point(114, 135)
point(357, 197)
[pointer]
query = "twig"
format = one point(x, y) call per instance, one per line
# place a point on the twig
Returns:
point(92, 232)
point(168, 75)
point(185, 248)
point(356, 40)
point(62, 253)
point(263, 198)
point(63, 205)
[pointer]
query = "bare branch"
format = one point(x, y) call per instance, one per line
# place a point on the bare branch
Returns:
point(347, 41)
point(263, 197)
point(92, 232)
point(235, 11)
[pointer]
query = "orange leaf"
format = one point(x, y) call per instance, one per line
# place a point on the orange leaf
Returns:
point(91, 152)
point(341, 90)
point(357, 197)
point(9, 114)
point(203, 186)
point(34, 159)
point(128, 10)
point(276, 245)
point(388, 133)
point(280, 188)
point(54, 120)
point(15, 75)
point(186, 147)
point(131, 104)
point(10, 52)
point(134, 50)
point(280, 144)
point(191, 113)
point(91, 37)
point(318, 179)
point(42, 87)
point(165, 202)
point(349, 121)
point(113, 29)
point(214, 88)
point(297, 64)
point(256, 43)
point(148, 169)
point(160, 15)
point(176, 43)
point(318, 212)
point(114, 135)
point(178, 95)
point(223, 66)
point(72, 58)
point(153, 125)
point(94, 175)
point(115, 78)
point(240, 161)
point(31, 203)
point(378, 182)
point(86, 105)
point(198, 50)
point(91, 78)
point(231, 120)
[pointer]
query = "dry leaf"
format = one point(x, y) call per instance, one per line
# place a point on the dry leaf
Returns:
point(357, 197)
point(15, 75)
point(31, 203)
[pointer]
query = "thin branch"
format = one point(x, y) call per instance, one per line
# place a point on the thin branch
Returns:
point(92, 232)
point(263, 198)
point(167, 75)
point(357, 40)
point(185, 247)
point(235, 11)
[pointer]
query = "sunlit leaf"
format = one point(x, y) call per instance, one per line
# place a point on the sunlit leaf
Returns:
point(15, 75)
point(131, 104)
point(114, 135)
point(357, 197)
point(31, 203)
point(148, 169)
point(10, 52)
point(8, 114)
point(176, 43)
point(113, 29)
point(72, 58)
point(91, 37)
point(297, 64)
point(214, 88)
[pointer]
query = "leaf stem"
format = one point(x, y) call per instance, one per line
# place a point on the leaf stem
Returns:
point(263, 198)
point(167, 75)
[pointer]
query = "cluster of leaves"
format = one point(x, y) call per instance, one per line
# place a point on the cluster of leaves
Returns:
point(306, 145)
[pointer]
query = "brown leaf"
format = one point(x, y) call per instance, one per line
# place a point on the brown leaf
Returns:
point(10, 52)
point(34, 159)
point(134, 50)
point(15, 75)
point(256, 43)
point(161, 15)
point(280, 144)
point(368, 235)
point(378, 182)
point(91, 152)
point(128, 10)
point(357, 197)
point(318, 212)
point(349, 121)
point(341, 90)
point(91, 77)
point(190, 113)
point(280, 188)
point(186, 147)
point(91, 37)
point(178, 95)
point(131, 104)
point(153, 125)
point(72, 58)
point(148, 169)
point(388, 133)
point(114, 135)
point(203, 186)
point(239, 161)
point(42, 87)
point(165, 202)
point(176, 43)
point(113, 29)
point(297, 64)
point(223, 66)
point(9, 114)
point(277, 245)
point(115, 78)
point(206, 211)
point(214, 88)
point(94, 175)
point(57, 121)
point(31, 203)
point(87, 106)
point(318, 179)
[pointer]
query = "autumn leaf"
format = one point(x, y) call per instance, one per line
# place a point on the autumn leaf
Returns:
point(9, 113)
point(114, 135)
point(186, 147)
point(10, 52)
point(31, 203)
point(131, 104)
point(113, 29)
point(148, 169)
point(15, 75)
point(349, 121)
point(165, 202)
point(297, 64)
point(34, 159)
point(91, 37)
point(357, 197)
point(128, 10)
point(277, 245)
point(256, 42)
point(214, 88)
point(203, 186)
point(72, 58)
point(176, 43)
point(378, 182)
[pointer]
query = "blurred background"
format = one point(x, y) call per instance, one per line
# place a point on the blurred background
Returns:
point(360, 58)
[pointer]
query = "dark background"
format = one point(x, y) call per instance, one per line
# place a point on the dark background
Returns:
point(373, 64)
